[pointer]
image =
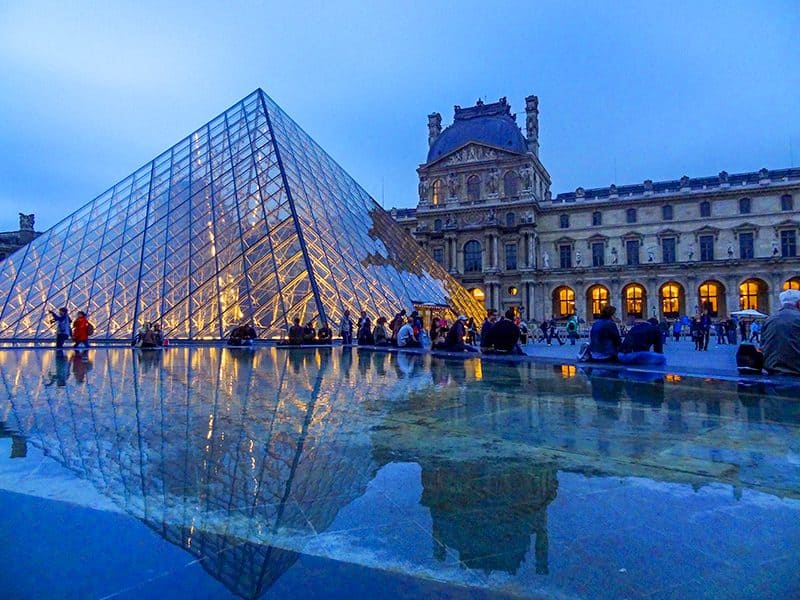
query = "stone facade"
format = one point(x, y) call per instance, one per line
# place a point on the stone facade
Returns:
point(658, 249)
point(11, 241)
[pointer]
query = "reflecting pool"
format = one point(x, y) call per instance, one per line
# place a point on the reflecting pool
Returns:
point(208, 472)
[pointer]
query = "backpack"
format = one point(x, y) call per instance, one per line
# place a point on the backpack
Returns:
point(89, 329)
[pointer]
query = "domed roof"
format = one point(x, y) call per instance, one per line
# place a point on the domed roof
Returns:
point(491, 124)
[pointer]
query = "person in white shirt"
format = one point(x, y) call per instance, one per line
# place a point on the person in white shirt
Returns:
point(406, 337)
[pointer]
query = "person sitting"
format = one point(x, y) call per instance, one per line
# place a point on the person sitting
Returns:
point(780, 336)
point(380, 336)
point(749, 359)
point(406, 337)
point(604, 337)
point(635, 348)
point(159, 335)
point(454, 341)
point(296, 333)
point(324, 335)
point(504, 337)
point(309, 333)
point(140, 335)
point(242, 336)
point(149, 339)
point(364, 331)
point(488, 323)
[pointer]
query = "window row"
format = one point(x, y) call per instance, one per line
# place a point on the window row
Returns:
point(668, 213)
point(671, 302)
point(785, 247)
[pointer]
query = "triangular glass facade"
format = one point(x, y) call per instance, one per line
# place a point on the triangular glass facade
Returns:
point(247, 219)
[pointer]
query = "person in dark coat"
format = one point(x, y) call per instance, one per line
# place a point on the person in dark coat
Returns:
point(636, 347)
point(488, 323)
point(454, 342)
point(504, 336)
point(604, 337)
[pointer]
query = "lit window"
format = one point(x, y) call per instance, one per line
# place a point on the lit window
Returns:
point(634, 300)
point(709, 297)
point(563, 221)
point(438, 192)
point(478, 294)
point(792, 284)
point(666, 212)
point(598, 298)
point(749, 293)
point(472, 257)
point(630, 215)
point(473, 188)
point(670, 300)
point(513, 290)
point(564, 301)
point(744, 206)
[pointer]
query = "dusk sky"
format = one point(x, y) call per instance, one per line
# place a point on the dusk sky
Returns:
point(627, 91)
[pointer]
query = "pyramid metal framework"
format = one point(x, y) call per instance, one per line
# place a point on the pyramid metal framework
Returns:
point(245, 220)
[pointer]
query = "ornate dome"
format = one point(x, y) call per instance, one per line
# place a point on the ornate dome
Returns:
point(491, 124)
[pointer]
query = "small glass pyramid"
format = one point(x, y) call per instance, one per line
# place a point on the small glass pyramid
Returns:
point(245, 220)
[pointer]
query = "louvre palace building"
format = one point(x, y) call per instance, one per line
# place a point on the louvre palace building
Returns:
point(655, 248)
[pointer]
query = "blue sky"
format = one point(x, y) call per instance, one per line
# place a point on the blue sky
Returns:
point(627, 90)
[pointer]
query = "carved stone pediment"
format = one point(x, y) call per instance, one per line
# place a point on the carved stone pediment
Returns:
point(668, 233)
point(473, 153)
point(706, 230)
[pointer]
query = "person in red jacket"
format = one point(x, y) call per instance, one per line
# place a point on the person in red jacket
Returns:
point(81, 330)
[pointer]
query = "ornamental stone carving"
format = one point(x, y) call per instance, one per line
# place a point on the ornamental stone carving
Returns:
point(423, 189)
point(26, 222)
point(471, 154)
point(452, 184)
point(526, 173)
point(491, 183)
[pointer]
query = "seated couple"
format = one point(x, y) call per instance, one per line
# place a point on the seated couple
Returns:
point(242, 336)
point(502, 336)
point(299, 335)
point(606, 345)
point(454, 338)
point(149, 336)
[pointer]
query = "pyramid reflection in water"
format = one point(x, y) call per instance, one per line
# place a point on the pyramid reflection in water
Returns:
point(246, 219)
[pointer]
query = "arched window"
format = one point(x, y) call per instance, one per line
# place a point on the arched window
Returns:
point(478, 294)
point(598, 298)
point(666, 212)
point(671, 300)
point(792, 284)
point(630, 215)
point(744, 206)
point(438, 192)
point(563, 221)
point(472, 257)
point(709, 297)
point(634, 300)
point(437, 224)
point(751, 292)
point(511, 219)
point(473, 188)
point(705, 209)
point(564, 301)
point(511, 184)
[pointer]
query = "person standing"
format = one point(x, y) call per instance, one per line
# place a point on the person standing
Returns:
point(755, 332)
point(346, 329)
point(62, 322)
point(81, 330)
point(781, 336)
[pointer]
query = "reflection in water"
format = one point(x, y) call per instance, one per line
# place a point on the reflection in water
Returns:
point(238, 455)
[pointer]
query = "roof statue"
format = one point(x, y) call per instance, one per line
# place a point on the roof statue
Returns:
point(246, 219)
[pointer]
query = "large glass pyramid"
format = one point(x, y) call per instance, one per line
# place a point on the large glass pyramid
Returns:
point(247, 219)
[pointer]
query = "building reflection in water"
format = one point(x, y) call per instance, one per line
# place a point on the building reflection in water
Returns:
point(235, 455)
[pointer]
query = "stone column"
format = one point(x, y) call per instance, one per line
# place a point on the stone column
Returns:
point(487, 253)
point(495, 255)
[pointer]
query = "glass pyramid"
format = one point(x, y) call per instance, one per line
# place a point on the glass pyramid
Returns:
point(245, 220)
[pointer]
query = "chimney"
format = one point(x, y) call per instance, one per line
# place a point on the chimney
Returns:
point(532, 123)
point(434, 127)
